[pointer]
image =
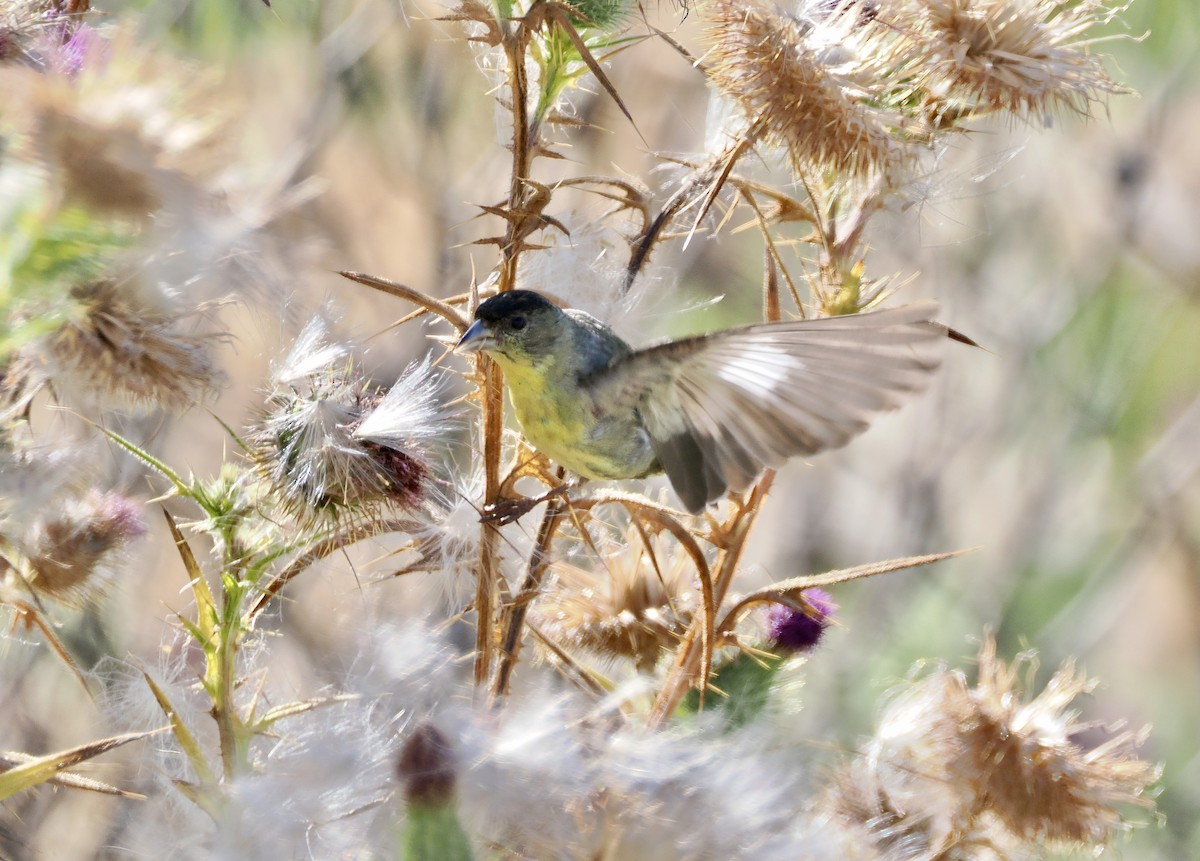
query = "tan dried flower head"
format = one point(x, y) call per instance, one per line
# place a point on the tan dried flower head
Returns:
point(951, 766)
point(24, 25)
point(636, 603)
point(116, 350)
point(132, 132)
point(1041, 783)
point(108, 169)
point(806, 84)
point(18, 22)
point(70, 552)
point(1026, 57)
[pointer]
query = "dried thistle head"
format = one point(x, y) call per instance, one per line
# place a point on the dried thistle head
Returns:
point(635, 604)
point(808, 84)
point(115, 349)
point(1043, 785)
point(332, 443)
point(24, 25)
point(71, 551)
point(17, 21)
point(1028, 58)
point(952, 766)
point(401, 421)
point(126, 132)
point(109, 168)
point(306, 448)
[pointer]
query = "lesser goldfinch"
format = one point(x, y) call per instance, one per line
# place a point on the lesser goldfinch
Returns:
point(712, 411)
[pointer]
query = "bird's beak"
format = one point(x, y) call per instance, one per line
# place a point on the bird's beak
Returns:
point(475, 339)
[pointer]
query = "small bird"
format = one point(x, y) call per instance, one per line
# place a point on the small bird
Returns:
point(712, 411)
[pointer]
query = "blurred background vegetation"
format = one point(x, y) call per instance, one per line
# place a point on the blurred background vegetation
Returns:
point(1068, 454)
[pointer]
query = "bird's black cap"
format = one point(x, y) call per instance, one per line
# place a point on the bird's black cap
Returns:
point(504, 305)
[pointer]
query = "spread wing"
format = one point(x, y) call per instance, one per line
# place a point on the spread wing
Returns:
point(721, 408)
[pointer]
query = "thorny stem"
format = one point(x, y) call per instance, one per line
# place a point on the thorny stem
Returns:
point(223, 703)
point(711, 176)
point(675, 204)
point(489, 539)
point(771, 312)
point(539, 563)
point(687, 657)
point(231, 733)
point(515, 42)
point(774, 261)
point(233, 736)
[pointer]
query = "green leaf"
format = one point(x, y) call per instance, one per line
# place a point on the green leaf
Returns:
point(182, 487)
point(41, 769)
point(206, 606)
point(562, 18)
point(297, 708)
point(183, 735)
point(11, 759)
point(207, 798)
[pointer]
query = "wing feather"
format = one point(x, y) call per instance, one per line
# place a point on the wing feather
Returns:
point(721, 408)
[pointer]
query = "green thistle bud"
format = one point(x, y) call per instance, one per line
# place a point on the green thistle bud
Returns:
point(430, 830)
point(742, 686)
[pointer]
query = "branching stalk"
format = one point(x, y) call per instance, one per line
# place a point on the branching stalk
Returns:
point(539, 563)
point(516, 42)
point(691, 651)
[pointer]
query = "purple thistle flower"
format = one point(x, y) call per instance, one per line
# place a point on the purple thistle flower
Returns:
point(76, 47)
point(793, 630)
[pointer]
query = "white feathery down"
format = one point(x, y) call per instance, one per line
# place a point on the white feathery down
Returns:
point(411, 412)
point(312, 352)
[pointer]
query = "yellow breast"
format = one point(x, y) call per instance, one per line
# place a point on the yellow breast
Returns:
point(559, 418)
point(550, 415)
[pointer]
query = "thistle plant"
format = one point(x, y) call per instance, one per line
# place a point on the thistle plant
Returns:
point(602, 674)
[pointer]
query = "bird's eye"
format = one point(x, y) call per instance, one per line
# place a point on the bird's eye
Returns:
point(517, 323)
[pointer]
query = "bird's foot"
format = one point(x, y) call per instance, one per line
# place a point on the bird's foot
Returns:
point(511, 510)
